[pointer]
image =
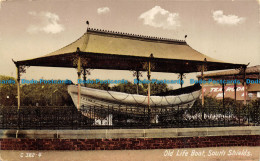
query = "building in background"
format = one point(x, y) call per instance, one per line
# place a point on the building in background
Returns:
point(234, 91)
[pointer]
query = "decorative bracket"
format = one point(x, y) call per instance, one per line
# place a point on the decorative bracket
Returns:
point(182, 76)
point(146, 64)
point(84, 61)
point(87, 71)
point(240, 70)
point(203, 67)
point(137, 73)
point(21, 69)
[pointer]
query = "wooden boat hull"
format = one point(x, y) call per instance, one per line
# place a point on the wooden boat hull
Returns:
point(132, 104)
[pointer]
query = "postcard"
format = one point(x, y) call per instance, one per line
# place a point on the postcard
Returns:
point(99, 80)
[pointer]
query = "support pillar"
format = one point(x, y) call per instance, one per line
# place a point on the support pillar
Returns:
point(18, 88)
point(245, 86)
point(181, 78)
point(138, 74)
point(223, 94)
point(18, 72)
point(202, 86)
point(84, 76)
point(137, 77)
point(235, 89)
point(149, 89)
point(79, 86)
point(150, 117)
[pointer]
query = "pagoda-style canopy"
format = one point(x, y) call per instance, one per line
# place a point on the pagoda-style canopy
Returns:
point(101, 49)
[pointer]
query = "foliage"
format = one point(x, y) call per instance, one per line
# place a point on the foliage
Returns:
point(98, 85)
point(213, 102)
point(34, 94)
point(142, 89)
point(57, 95)
point(45, 94)
point(8, 92)
point(125, 87)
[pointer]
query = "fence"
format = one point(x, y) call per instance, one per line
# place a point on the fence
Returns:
point(95, 117)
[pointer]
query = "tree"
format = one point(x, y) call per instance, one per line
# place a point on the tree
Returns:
point(8, 91)
point(45, 95)
point(131, 88)
point(104, 86)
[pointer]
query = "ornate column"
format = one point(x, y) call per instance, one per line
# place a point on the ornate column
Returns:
point(202, 85)
point(235, 90)
point(203, 68)
point(149, 84)
point(18, 86)
point(19, 69)
point(84, 76)
point(147, 66)
point(181, 77)
point(138, 74)
point(84, 69)
point(245, 85)
point(79, 74)
point(223, 93)
point(81, 63)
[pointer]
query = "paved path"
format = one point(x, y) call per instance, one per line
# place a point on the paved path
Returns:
point(196, 154)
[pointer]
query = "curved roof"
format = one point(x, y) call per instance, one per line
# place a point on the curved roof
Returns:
point(114, 50)
point(251, 73)
point(105, 42)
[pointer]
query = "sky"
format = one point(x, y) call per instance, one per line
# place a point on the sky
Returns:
point(228, 30)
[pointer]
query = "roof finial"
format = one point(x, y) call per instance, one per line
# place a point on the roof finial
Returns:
point(87, 22)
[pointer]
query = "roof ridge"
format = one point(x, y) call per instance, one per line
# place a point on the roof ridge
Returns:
point(135, 35)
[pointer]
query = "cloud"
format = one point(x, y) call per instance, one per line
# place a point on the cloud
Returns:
point(1, 3)
point(259, 9)
point(46, 22)
point(103, 10)
point(160, 18)
point(222, 19)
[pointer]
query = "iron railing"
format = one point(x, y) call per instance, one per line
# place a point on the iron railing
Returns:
point(95, 117)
